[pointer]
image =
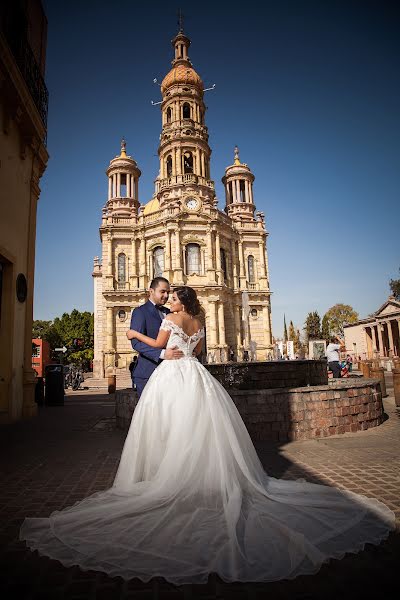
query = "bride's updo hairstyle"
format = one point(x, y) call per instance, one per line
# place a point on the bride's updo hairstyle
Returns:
point(188, 297)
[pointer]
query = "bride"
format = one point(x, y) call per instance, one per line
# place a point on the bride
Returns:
point(190, 496)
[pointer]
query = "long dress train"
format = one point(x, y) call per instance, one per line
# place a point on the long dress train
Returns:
point(191, 497)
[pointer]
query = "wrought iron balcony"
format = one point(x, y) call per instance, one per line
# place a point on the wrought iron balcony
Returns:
point(29, 68)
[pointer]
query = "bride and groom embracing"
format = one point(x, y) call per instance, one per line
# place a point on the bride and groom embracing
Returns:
point(190, 496)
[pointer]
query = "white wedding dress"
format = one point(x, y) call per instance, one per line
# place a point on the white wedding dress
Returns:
point(191, 497)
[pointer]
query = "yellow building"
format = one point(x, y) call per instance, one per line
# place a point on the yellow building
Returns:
point(23, 159)
point(182, 235)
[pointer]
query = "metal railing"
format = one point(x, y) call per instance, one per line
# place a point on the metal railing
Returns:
point(26, 61)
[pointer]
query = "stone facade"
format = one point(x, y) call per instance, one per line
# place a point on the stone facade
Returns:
point(182, 235)
point(377, 336)
point(23, 159)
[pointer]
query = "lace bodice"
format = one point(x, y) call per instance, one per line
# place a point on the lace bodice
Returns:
point(186, 343)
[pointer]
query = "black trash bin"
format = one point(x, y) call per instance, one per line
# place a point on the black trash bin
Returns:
point(54, 385)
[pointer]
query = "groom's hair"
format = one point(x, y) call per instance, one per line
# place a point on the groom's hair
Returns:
point(156, 282)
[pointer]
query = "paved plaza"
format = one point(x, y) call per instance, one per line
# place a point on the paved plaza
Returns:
point(71, 451)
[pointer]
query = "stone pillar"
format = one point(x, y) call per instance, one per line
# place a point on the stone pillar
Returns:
point(241, 265)
point(142, 263)
point(168, 251)
point(266, 325)
point(128, 185)
point(178, 273)
point(390, 335)
point(380, 337)
point(374, 344)
point(197, 170)
point(110, 329)
point(119, 185)
point(238, 328)
point(221, 324)
point(210, 261)
point(109, 188)
point(261, 247)
point(178, 161)
point(234, 264)
point(203, 166)
point(133, 273)
point(212, 329)
point(137, 189)
point(218, 257)
point(173, 161)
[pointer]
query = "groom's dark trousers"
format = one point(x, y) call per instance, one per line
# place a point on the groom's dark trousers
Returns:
point(146, 319)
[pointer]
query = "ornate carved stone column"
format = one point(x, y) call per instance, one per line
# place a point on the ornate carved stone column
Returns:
point(212, 330)
point(218, 257)
point(110, 329)
point(178, 272)
point(133, 273)
point(221, 324)
point(142, 263)
point(210, 260)
point(241, 265)
point(168, 252)
point(238, 328)
point(234, 264)
point(263, 274)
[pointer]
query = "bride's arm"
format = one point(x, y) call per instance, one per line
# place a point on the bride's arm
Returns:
point(160, 342)
point(198, 348)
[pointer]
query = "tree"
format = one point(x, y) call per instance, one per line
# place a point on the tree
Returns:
point(338, 316)
point(325, 331)
point(313, 326)
point(292, 332)
point(285, 336)
point(395, 287)
point(75, 331)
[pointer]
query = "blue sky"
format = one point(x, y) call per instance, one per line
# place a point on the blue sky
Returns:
point(309, 91)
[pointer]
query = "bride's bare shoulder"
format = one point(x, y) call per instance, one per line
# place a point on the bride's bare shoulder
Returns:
point(174, 318)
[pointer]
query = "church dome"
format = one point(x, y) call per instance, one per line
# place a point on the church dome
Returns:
point(181, 74)
point(151, 207)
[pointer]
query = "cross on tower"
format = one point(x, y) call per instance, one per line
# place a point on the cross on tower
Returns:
point(180, 20)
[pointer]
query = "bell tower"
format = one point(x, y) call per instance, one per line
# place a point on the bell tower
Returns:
point(238, 183)
point(123, 185)
point(183, 151)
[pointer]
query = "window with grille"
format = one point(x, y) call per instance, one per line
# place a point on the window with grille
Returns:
point(158, 261)
point(223, 263)
point(250, 267)
point(193, 260)
point(121, 268)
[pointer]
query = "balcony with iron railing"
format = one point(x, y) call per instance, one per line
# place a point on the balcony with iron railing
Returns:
point(18, 43)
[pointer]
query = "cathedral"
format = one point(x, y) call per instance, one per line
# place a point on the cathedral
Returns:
point(182, 235)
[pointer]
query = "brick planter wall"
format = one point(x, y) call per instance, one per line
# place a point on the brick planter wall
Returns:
point(300, 413)
point(270, 374)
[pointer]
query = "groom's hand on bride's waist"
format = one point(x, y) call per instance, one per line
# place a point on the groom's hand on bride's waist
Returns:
point(172, 353)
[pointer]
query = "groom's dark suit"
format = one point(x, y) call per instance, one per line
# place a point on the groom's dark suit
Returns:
point(146, 319)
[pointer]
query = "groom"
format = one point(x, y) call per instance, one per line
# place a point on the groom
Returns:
point(147, 319)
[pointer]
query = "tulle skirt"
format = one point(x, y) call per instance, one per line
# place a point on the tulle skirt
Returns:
point(191, 498)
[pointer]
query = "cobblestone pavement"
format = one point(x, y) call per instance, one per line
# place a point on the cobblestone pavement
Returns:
point(71, 451)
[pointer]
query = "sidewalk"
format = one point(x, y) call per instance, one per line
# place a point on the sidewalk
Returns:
point(71, 451)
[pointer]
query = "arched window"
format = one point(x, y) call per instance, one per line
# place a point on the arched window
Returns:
point(169, 166)
point(188, 162)
point(242, 191)
point(250, 268)
point(169, 115)
point(193, 261)
point(158, 261)
point(121, 268)
point(223, 262)
point(186, 110)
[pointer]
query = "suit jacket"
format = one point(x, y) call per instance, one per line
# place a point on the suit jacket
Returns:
point(146, 320)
